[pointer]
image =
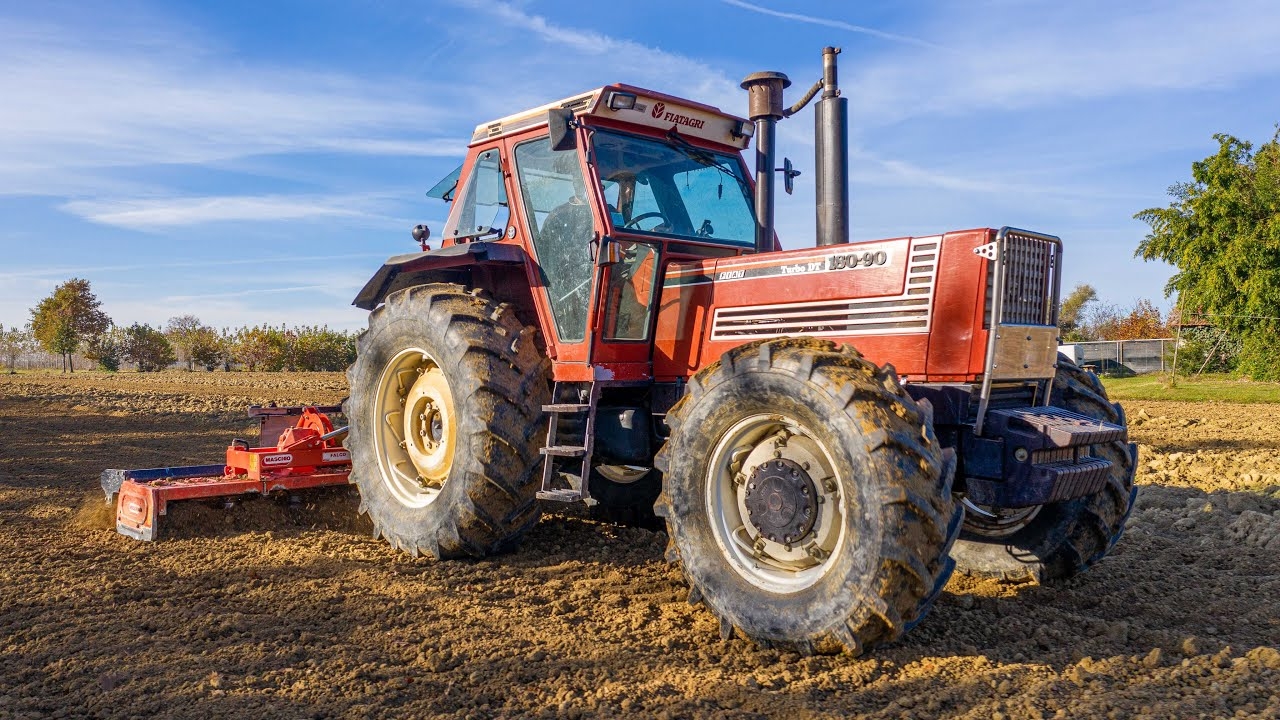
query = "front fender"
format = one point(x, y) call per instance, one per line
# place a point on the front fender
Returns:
point(396, 268)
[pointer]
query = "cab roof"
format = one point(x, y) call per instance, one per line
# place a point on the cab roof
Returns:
point(636, 106)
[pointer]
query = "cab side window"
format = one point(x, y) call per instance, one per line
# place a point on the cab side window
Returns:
point(483, 204)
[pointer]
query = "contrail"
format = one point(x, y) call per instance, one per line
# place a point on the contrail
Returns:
point(832, 23)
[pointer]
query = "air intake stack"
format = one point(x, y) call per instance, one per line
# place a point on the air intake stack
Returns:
point(764, 95)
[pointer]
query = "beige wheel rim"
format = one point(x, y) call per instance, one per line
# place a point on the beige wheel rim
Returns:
point(416, 430)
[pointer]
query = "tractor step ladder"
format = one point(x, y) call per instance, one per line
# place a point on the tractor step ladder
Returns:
point(575, 451)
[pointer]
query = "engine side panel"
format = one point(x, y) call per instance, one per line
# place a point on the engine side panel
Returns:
point(893, 300)
point(959, 341)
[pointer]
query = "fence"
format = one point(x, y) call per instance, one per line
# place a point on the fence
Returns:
point(1124, 357)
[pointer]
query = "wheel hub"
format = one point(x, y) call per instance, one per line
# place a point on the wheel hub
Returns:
point(781, 501)
point(775, 499)
point(428, 425)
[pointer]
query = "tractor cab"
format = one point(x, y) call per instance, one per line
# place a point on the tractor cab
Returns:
point(601, 191)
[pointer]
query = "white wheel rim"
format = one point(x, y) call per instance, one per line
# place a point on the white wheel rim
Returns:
point(623, 474)
point(994, 522)
point(777, 567)
point(415, 429)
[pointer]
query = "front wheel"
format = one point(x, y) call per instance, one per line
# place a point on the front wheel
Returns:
point(1058, 540)
point(806, 497)
point(445, 409)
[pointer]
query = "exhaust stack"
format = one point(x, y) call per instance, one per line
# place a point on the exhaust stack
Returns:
point(764, 93)
point(831, 134)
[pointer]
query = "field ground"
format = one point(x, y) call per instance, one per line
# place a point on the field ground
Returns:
point(263, 611)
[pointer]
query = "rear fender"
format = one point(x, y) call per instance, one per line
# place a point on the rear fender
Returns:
point(445, 264)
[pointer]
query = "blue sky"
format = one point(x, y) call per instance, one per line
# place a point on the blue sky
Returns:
point(252, 162)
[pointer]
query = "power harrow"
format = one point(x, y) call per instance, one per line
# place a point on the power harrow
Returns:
point(308, 454)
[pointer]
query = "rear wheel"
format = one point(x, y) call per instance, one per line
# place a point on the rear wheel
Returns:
point(445, 410)
point(626, 494)
point(1049, 542)
point(806, 497)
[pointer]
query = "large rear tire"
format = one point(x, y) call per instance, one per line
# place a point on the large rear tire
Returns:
point(626, 494)
point(445, 412)
point(806, 497)
point(1058, 540)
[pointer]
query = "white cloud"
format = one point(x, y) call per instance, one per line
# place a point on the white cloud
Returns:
point(442, 147)
point(1033, 55)
point(50, 273)
point(644, 65)
point(147, 214)
point(76, 100)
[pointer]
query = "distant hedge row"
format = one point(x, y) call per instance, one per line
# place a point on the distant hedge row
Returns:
point(184, 339)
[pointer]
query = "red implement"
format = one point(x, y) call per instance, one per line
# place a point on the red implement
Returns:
point(308, 454)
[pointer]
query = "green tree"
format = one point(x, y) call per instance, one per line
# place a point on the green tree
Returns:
point(15, 342)
point(70, 316)
point(254, 347)
point(1206, 349)
point(1222, 233)
point(319, 348)
point(1144, 321)
point(204, 348)
point(1071, 315)
point(283, 344)
point(106, 349)
point(227, 344)
point(183, 331)
point(148, 348)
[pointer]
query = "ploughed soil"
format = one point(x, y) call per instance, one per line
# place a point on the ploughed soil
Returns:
point(266, 610)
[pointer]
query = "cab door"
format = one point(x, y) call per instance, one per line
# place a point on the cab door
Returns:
point(562, 230)
point(623, 346)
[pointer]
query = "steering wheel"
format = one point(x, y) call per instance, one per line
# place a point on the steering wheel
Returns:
point(635, 221)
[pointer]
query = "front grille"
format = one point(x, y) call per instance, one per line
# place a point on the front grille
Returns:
point(1030, 267)
point(1028, 281)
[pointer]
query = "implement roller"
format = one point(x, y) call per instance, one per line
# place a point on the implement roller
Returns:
point(308, 454)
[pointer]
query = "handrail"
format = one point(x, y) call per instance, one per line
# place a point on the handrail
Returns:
point(995, 252)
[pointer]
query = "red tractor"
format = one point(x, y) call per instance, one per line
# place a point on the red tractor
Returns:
point(827, 431)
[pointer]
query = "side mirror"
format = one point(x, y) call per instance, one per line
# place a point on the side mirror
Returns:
point(609, 253)
point(560, 122)
point(789, 173)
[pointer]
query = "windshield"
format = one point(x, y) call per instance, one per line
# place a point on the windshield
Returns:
point(674, 188)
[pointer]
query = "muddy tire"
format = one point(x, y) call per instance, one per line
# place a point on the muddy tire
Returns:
point(852, 449)
point(1061, 539)
point(446, 421)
